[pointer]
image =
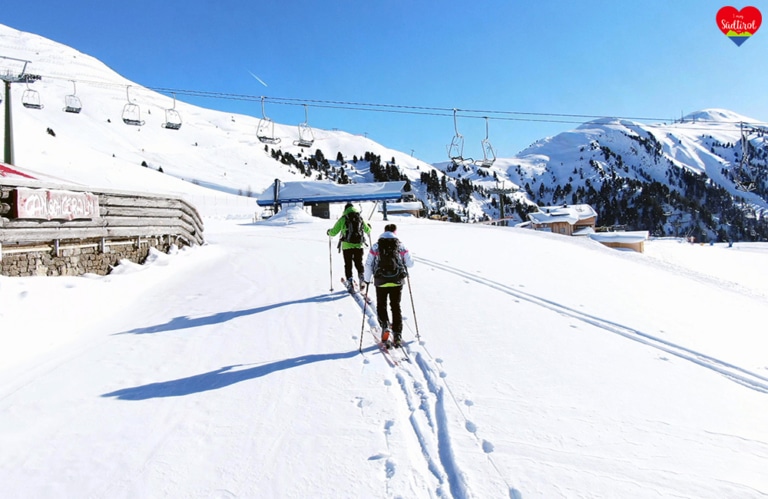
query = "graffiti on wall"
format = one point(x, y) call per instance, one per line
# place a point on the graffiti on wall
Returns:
point(50, 204)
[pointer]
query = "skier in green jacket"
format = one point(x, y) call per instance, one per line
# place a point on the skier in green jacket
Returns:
point(353, 230)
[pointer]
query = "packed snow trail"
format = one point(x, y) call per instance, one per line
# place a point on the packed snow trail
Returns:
point(424, 396)
point(738, 374)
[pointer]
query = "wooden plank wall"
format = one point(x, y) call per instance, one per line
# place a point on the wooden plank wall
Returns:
point(122, 216)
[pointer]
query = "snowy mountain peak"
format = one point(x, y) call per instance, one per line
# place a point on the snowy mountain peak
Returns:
point(717, 116)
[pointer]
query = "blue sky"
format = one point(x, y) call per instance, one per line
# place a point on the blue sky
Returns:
point(652, 59)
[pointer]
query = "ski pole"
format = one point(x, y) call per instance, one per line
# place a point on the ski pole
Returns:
point(362, 327)
point(415, 322)
point(330, 260)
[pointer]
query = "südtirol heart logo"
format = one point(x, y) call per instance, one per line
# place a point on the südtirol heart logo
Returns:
point(739, 25)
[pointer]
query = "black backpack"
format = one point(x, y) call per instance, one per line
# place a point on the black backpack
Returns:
point(390, 266)
point(355, 230)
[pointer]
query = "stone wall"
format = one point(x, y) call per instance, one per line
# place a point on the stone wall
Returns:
point(77, 257)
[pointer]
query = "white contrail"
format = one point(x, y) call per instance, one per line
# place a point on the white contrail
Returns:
point(259, 79)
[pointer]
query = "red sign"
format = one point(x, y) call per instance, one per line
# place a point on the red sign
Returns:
point(46, 204)
point(739, 25)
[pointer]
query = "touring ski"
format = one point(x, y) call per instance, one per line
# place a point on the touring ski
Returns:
point(356, 291)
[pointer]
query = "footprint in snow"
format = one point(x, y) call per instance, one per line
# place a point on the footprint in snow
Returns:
point(361, 402)
point(388, 426)
point(389, 467)
point(469, 403)
point(487, 447)
point(471, 427)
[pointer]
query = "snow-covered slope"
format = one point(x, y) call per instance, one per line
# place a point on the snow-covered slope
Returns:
point(547, 367)
point(212, 148)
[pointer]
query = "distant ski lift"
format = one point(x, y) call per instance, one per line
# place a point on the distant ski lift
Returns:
point(489, 155)
point(745, 176)
point(456, 147)
point(131, 111)
point(72, 102)
point(172, 117)
point(306, 136)
point(266, 130)
point(31, 99)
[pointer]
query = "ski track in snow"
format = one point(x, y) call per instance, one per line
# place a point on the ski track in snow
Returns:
point(425, 391)
point(733, 372)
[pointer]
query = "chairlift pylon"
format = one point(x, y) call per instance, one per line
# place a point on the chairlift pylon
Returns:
point(31, 98)
point(745, 177)
point(489, 155)
point(306, 136)
point(172, 117)
point(456, 147)
point(131, 111)
point(72, 103)
point(266, 129)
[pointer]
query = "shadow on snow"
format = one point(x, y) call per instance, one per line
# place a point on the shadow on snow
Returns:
point(185, 322)
point(220, 378)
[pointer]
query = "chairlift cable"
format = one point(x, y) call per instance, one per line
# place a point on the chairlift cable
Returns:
point(501, 115)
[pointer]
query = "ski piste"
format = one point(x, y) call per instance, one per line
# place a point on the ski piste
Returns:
point(387, 352)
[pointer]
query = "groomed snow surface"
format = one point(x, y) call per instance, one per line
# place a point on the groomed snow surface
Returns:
point(547, 367)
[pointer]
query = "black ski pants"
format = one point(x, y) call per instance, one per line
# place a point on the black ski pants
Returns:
point(353, 257)
point(393, 294)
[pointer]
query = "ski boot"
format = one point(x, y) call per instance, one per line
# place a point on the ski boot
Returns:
point(397, 343)
point(386, 336)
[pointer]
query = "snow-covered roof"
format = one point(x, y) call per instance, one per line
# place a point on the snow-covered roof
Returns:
point(319, 192)
point(404, 206)
point(566, 213)
point(620, 237)
point(584, 231)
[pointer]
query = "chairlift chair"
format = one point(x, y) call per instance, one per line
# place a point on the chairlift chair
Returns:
point(266, 129)
point(489, 155)
point(72, 102)
point(456, 147)
point(306, 136)
point(31, 99)
point(172, 117)
point(131, 111)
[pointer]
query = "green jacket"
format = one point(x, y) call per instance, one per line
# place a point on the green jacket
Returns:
point(341, 226)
